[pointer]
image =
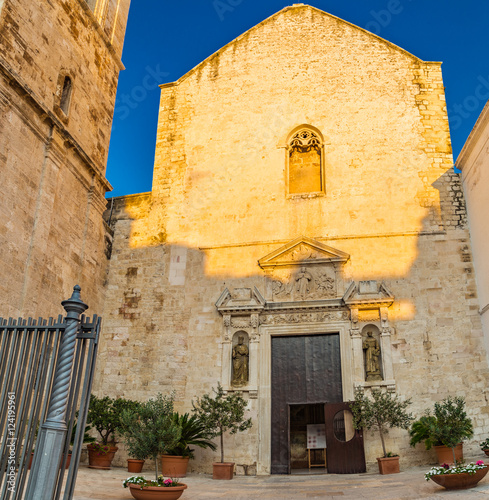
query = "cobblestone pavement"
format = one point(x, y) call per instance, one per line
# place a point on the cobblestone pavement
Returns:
point(409, 484)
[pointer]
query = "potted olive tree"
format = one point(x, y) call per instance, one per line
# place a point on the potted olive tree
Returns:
point(194, 433)
point(150, 428)
point(444, 430)
point(221, 413)
point(104, 414)
point(383, 411)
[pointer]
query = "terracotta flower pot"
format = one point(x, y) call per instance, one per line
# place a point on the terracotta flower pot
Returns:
point(486, 452)
point(388, 465)
point(97, 460)
point(445, 455)
point(134, 465)
point(157, 492)
point(222, 470)
point(68, 461)
point(174, 466)
point(459, 481)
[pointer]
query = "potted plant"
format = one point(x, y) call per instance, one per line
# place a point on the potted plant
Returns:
point(104, 415)
point(151, 429)
point(221, 413)
point(138, 452)
point(458, 476)
point(381, 412)
point(444, 430)
point(194, 433)
point(160, 489)
point(86, 438)
point(485, 446)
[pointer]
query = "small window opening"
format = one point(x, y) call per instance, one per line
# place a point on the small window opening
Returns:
point(66, 95)
point(305, 163)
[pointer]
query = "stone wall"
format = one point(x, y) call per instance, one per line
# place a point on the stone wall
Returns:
point(52, 167)
point(474, 163)
point(391, 211)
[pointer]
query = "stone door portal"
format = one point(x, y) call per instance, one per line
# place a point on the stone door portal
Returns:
point(305, 369)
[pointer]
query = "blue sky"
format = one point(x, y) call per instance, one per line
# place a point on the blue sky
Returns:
point(165, 39)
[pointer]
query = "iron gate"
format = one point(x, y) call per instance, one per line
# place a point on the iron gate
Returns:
point(46, 373)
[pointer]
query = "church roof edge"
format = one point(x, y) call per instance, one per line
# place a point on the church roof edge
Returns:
point(266, 20)
point(471, 141)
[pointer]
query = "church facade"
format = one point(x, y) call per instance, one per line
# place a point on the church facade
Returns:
point(305, 236)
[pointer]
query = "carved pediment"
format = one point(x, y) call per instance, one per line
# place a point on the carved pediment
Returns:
point(367, 295)
point(302, 251)
point(240, 299)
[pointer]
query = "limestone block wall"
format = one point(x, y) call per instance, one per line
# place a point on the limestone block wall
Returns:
point(220, 203)
point(52, 164)
point(380, 110)
point(474, 163)
point(162, 331)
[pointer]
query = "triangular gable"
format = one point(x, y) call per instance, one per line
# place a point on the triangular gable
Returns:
point(367, 294)
point(267, 20)
point(240, 299)
point(302, 251)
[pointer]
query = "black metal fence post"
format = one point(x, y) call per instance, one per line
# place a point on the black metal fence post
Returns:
point(52, 433)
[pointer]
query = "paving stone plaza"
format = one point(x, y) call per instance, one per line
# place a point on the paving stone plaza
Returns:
point(409, 484)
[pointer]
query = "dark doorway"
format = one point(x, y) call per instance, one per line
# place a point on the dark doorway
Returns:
point(300, 417)
point(306, 370)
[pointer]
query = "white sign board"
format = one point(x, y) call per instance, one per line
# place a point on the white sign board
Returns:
point(316, 436)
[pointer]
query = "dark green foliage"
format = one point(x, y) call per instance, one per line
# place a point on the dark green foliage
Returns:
point(86, 437)
point(149, 429)
point(448, 426)
point(194, 433)
point(385, 410)
point(424, 429)
point(105, 415)
point(221, 413)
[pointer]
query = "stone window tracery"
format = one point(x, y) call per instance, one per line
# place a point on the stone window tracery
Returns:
point(305, 162)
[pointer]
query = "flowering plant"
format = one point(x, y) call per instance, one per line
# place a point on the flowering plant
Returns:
point(142, 481)
point(99, 448)
point(484, 444)
point(459, 468)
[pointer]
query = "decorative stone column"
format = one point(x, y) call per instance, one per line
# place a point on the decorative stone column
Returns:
point(385, 345)
point(254, 353)
point(356, 340)
point(226, 367)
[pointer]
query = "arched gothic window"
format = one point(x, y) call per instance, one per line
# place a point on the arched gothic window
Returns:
point(305, 162)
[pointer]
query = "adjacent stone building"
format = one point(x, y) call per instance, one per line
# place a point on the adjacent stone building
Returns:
point(474, 163)
point(59, 67)
point(305, 235)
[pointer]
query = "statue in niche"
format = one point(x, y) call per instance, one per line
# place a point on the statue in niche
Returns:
point(372, 355)
point(240, 363)
point(303, 280)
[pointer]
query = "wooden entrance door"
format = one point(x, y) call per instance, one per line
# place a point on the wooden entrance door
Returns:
point(306, 369)
point(345, 445)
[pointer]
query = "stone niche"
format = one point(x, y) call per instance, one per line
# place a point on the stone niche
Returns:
point(369, 302)
point(240, 309)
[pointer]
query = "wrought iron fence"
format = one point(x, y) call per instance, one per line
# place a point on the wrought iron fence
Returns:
point(46, 373)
